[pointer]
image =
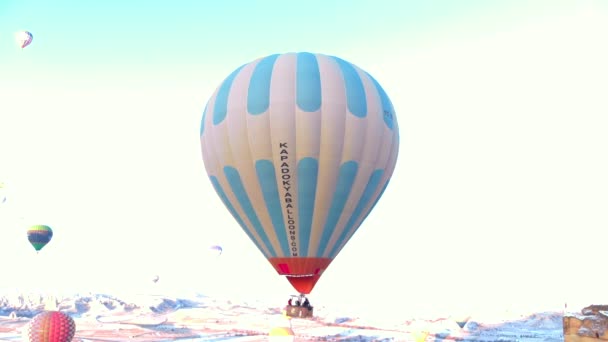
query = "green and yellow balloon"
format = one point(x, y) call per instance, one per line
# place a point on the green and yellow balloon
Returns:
point(39, 236)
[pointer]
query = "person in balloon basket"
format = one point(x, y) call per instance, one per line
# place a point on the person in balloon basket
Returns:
point(306, 304)
point(290, 302)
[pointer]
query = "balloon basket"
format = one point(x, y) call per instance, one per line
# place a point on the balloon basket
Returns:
point(298, 311)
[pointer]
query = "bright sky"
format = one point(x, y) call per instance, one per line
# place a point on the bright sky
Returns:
point(499, 192)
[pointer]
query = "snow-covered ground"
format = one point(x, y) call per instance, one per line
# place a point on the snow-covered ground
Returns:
point(101, 317)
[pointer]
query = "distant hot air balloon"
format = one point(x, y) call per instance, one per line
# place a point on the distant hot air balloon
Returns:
point(23, 38)
point(51, 326)
point(39, 235)
point(461, 320)
point(299, 147)
point(216, 250)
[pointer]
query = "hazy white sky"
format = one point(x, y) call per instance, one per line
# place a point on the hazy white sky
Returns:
point(499, 191)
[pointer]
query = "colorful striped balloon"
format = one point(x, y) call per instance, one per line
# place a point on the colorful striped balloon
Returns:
point(23, 38)
point(39, 236)
point(299, 147)
point(51, 326)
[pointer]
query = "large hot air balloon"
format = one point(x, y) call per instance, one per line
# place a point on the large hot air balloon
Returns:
point(299, 147)
point(39, 235)
point(51, 326)
point(23, 38)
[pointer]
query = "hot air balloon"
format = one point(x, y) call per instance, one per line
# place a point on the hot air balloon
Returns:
point(216, 250)
point(461, 320)
point(299, 147)
point(23, 38)
point(39, 235)
point(51, 326)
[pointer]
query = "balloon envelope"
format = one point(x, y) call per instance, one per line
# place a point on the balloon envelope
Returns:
point(299, 147)
point(39, 236)
point(23, 38)
point(51, 326)
point(216, 250)
point(461, 320)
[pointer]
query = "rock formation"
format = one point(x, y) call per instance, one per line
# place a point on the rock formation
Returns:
point(591, 324)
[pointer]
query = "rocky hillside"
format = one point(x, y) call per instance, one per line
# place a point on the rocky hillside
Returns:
point(590, 324)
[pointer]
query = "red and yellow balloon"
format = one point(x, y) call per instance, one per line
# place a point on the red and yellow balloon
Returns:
point(51, 326)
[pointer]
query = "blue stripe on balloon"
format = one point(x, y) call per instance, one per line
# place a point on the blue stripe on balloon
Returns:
point(355, 92)
point(268, 183)
point(366, 197)
point(388, 111)
point(346, 178)
point(308, 171)
point(237, 217)
point(234, 179)
point(308, 82)
point(220, 108)
point(258, 96)
point(203, 119)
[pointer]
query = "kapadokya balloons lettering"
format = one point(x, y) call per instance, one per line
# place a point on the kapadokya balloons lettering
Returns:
point(23, 38)
point(51, 326)
point(299, 147)
point(39, 236)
